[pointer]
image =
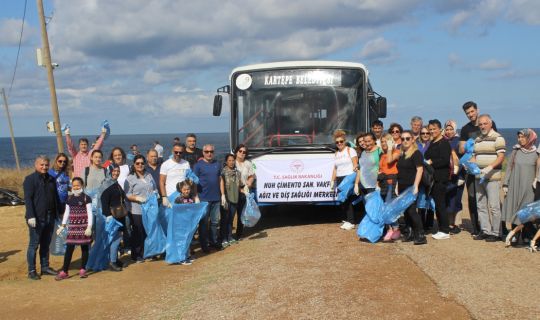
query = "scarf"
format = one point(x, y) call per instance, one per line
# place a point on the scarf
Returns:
point(530, 146)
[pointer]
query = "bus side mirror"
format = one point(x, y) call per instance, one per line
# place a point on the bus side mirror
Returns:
point(381, 107)
point(218, 100)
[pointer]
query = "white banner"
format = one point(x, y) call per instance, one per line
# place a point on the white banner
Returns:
point(294, 180)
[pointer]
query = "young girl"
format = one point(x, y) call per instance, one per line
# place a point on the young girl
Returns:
point(78, 218)
point(185, 195)
point(230, 191)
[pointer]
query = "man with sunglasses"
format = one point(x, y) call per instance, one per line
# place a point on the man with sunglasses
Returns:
point(172, 171)
point(209, 170)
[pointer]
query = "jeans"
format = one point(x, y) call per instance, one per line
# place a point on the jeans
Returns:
point(213, 215)
point(113, 251)
point(40, 236)
point(227, 218)
point(489, 206)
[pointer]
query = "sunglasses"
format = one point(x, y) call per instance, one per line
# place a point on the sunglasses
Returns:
point(396, 131)
point(208, 151)
point(61, 161)
point(424, 133)
point(242, 151)
point(139, 163)
point(178, 152)
point(340, 141)
point(406, 138)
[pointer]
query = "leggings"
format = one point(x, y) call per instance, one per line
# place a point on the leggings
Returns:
point(412, 218)
point(69, 254)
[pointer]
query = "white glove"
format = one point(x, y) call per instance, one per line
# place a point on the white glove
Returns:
point(505, 190)
point(32, 222)
point(197, 200)
point(59, 230)
point(88, 231)
point(486, 170)
point(246, 190)
point(396, 190)
point(224, 201)
point(140, 199)
point(66, 132)
point(356, 190)
point(415, 191)
point(332, 185)
point(456, 169)
point(535, 181)
point(390, 144)
point(109, 218)
point(166, 202)
point(460, 182)
point(103, 130)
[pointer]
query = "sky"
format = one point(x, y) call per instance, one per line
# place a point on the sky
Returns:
point(154, 66)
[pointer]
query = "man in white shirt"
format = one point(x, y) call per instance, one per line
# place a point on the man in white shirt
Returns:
point(159, 150)
point(172, 171)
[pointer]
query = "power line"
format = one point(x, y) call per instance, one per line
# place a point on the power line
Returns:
point(18, 50)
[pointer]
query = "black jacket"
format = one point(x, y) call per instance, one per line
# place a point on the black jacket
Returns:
point(40, 196)
point(439, 153)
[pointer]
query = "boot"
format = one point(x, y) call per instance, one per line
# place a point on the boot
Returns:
point(419, 237)
point(408, 235)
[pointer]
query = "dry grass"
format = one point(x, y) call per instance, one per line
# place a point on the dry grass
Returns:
point(13, 180)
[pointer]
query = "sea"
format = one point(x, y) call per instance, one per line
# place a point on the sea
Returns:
point(30, 147)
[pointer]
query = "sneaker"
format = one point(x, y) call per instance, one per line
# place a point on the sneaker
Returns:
point(32, 275)
point(440, 236)
point(225, 244)
point(455, 230)
point(480, 236)
point(396, 235)
point(114, 267)
point(388, 235)
point(61, 276)
point(344, 224)
point(349, 226)
point(190, 259)
point(492, 238)
point(186, 263)
point(83, 274)
point(139, 260)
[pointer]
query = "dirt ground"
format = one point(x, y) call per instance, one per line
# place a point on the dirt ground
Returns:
point(296, 263)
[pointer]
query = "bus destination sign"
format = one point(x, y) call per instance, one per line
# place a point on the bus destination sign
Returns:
point(297, 78)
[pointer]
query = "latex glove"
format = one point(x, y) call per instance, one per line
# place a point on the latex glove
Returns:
point(197, 200)
point(460, 182)
point(32, 222)
point(88, 231)
point(103, 130)
point(66, 132)
point(428, 161)
point(396, 190)
point(415, 190)
point(140, 199)
point(223, 201)
point(535, 181)
point(59, 230)
point(109, 219)
point(505, 190)
point(332, 185)
point(456, 169)
point(486, 170)
point(390, 144)
point(166, 202)
point(245, 190)
point(356, 190)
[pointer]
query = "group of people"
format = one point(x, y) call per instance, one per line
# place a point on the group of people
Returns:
point(61, 196)
point(395, 161)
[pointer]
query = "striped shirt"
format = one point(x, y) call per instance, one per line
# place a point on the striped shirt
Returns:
point(486, 150)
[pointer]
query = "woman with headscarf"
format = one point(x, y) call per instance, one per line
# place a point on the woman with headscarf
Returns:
point(517, 185)
point(454, 189)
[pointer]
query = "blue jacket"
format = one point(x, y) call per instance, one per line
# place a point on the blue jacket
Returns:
point(39, 194)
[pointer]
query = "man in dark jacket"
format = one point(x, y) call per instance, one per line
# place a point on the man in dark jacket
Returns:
point(41, 200)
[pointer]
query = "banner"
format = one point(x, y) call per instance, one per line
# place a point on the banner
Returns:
point(300, 179)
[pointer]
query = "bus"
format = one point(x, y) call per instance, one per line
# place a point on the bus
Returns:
point(286, 113)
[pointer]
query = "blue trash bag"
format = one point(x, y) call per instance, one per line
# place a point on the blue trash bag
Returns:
point(192, 176)
point(371, 227)
point(472, 168)
point(105, 124)
point(251, 213)
point(181, 226)
point(469, 150)
point(111, 228)
point(155, 241)
point(529, 212)
point(424, 201)
point(58, 242)
point(393, 210)
point(346, 188)
point(98, 258)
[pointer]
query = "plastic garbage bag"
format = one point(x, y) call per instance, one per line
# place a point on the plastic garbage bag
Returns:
point(111, 228)
point(181, 225)
point(393, 210)
point(346, 188)
point(192, 176)
point(105, 124)
point(423, 201)
point(155, 241)
point(98, 258)
point(251, 213)
point(529, 212)
point(371, 227)
point(58, 242)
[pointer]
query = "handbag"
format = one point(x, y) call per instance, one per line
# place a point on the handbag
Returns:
point(118, 212)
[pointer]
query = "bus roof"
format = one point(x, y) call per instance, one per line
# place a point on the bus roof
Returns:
point(299, 64)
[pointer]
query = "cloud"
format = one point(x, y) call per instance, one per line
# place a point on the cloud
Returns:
point(10, 31)
point(454, 59)
point(494, 64)
point(379, 50)
point(526, 11)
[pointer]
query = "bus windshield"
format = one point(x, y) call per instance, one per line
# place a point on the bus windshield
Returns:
point(296, 107)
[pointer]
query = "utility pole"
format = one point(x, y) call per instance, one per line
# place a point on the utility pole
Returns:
point(11, 131)
point(48, 64)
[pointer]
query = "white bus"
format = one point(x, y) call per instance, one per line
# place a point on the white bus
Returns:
point(286, 112)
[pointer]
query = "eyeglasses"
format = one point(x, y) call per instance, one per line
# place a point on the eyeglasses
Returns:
point(139, 163)
point(406, 138)
point(395, 131)
point(340, 141)
point(242, 151)
point(61, 161)
point(208, 151)
point(424, 133)
point(178, 152)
